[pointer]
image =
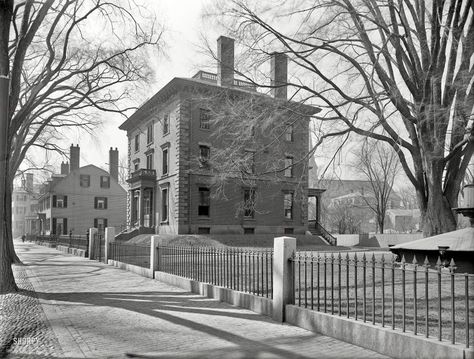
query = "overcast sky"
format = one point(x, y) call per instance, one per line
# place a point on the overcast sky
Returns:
point(182, 19)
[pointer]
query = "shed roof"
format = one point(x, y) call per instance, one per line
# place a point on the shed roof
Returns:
point(461, 240)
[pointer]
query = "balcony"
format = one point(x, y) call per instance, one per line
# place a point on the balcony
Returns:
point(142, 178)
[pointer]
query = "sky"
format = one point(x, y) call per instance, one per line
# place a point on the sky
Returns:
point(180, 59)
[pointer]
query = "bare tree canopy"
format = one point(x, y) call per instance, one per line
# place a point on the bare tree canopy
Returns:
point(400, 72)
point(379, 165)
point(67, 61)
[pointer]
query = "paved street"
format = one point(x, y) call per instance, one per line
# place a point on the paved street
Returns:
point(99, 311)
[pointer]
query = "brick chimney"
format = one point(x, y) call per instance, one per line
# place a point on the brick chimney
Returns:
point(64, 168)
point(74, 154)
point(279, 75)
point(225, 61)
point(113, 163)
point(29, 182)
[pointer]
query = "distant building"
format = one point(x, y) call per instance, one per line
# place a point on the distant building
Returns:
point(353, 199)
point(82, 197)
point(24, 208)
point(171, 140)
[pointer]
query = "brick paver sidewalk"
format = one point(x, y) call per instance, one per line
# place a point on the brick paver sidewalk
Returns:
point(99, 311)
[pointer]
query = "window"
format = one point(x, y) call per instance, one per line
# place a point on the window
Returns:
point(288, 205)
point(289, 133)
point(165, 161)
point(104, 182)
point(288, 231)
point(249, 203)
point(136, 166)
point(59, 201)
point(85, 180)
point(137, 142)
point(249, 162)
point(166, 124)
point(149, 133)
point(149, 161)
point(204, 230)
point(204, 153)
point(100, 224)
point(249, 230)
point(204, 119)
point(59, 226)
point(289, 166)
point(204, 202)
point(100, 202)
point(164, 205)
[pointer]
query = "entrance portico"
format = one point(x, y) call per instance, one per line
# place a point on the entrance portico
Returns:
point(142, 195)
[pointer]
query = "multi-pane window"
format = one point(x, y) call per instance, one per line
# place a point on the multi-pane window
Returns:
point(249, 203)
point(288, 205)
point(204, 119)
point(164, 205)
point(165, 161)
point(59, 201)
point(204, 153)
point(59, 226)
point(104, 182)
point(100, 202)
point(289, 133)
point(137, 142)
point(85, 180)
point(166, 124)
point(149, 133)
point(149, 161)
point(204, 201)
point(100, 224)
point(289, 166)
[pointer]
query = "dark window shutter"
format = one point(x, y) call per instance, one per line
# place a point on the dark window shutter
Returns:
point(105, 202)
point(64, 225)
point(95, 202)
point(65, 201)
point(95, 223)
point(105, 222)
point(53, 230)
point(54, 201)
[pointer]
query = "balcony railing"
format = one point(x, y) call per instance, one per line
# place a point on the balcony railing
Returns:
point(210, 77)
point(142, 174)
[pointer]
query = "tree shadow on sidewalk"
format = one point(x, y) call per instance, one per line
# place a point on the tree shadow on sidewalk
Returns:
point(160, 304)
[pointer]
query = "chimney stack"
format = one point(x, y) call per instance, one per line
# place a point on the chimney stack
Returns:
point(74, 154)
point(279, 75)
point(225, 61)
point(113, 163)
point(29, 182)
point(64, 168)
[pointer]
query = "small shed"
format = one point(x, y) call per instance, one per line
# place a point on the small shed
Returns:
point(457, 245)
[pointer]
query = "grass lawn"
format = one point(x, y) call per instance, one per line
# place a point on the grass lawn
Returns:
point(395, 297)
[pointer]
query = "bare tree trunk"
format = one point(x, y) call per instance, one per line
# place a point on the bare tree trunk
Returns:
point(8, 219)
point(437, 217)
point(7, 280)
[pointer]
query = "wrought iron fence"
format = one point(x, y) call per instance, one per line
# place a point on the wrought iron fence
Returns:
point(245, 270)
point(135, 254)
point(79, 242)
point(426, 299)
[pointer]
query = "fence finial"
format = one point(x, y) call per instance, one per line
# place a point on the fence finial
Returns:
point(415, 262)
point(426, 263)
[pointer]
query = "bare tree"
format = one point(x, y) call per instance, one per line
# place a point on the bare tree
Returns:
point(379, 165)
point(407, 195)
point(66, 62)
point(399, 72)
